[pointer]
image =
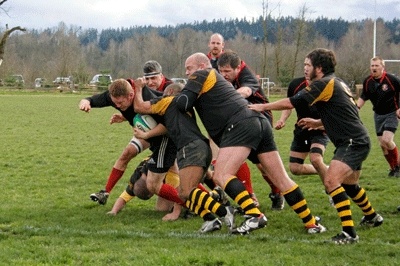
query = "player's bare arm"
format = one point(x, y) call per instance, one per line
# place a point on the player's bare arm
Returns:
point(360, 103)
point(84, 105)
point(159, 130)
point(282, 120)
point(282, 104)
point(311, 123)
point(244, 91)
point(398, 113)
point(117, 118)
point(259, 107)
point(140, 106)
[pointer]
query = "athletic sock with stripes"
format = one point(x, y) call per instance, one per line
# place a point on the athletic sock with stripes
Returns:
point(295, 199)
point(342, 205)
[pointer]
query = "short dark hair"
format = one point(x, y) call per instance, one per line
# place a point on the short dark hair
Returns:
point(323, 58)
point(120, 88)
point(229, 57)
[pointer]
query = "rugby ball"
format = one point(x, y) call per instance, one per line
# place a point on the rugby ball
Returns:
point(144, 122)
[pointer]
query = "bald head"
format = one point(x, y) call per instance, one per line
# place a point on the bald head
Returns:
point(216, 45)
point(196, 61)
point(216, 37)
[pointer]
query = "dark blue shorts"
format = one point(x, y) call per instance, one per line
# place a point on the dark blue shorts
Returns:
point(196, 153)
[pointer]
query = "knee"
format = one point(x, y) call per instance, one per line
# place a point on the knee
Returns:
point(184, 195)
point(127, 155)
point(316, 160)
point(386, 143)
point(329, 184)
point(296, 165)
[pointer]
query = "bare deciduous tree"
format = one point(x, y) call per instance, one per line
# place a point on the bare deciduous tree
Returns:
point(6, 34)
point(301, 27)
point(266, 15)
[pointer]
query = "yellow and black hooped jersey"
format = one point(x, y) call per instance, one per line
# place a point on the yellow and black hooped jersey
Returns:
point(218, 104)
point(182, 127)
point(337, 109)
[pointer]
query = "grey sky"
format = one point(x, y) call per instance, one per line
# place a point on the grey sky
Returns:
point(102, 14)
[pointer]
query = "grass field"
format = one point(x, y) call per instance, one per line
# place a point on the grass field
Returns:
point(53, 156)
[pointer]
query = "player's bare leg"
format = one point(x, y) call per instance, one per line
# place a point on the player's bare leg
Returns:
point(174, 215)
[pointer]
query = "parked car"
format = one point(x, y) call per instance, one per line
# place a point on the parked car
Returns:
point(101, 80)
point(39, 82)
point(62, 80)
point(14, 80)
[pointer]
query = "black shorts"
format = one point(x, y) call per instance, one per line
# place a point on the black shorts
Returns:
point(303, 139)
point(353, 153)
point(196, 153)
point(387, 122)
point(254, 132)
point(163, 156)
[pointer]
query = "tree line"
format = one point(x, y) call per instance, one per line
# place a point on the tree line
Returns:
point(272, 47)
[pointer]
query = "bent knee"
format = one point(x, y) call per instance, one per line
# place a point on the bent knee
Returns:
point(296, 169)
point(128, 153)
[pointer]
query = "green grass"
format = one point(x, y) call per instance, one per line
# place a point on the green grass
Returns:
point(53, 156)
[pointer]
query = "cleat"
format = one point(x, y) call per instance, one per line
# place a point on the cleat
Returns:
point(278, 201)
point(344, 238)
point(254, 198)
point(210, 226)
point(374, 222)
point(230, 217)
point(239, 211)
point(316, 228)
point(222, 197)
point(215, 195)
point(100, 197)
point(219, 195)
point(251, 224)
point(187, 214)
point(394, 172)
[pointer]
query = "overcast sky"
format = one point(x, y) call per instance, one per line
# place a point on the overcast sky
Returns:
point(103, 14)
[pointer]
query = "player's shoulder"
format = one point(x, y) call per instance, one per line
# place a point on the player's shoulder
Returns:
point(392, 77)
point(148, 93)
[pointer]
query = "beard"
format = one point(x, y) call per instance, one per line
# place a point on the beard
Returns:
point(313, 74)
